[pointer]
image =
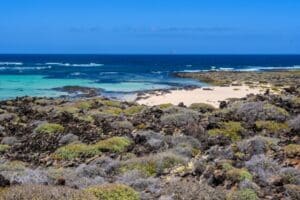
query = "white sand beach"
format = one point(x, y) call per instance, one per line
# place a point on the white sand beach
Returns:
point(209, 95)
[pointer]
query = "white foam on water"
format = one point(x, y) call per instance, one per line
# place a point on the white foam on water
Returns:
point(246, 69)
point(11, 63)
point(24, 68)
point(74, 65)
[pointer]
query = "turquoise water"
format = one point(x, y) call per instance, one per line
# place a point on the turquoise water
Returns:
point(37, 85)
point(117, 75)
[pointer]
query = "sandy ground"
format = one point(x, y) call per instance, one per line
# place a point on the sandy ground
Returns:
point(198, 95)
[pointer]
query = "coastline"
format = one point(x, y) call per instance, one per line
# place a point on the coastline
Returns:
point(95, 142)
point(223, 85)
point(212, 95)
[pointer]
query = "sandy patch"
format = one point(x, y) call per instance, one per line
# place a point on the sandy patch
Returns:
point(199, 95)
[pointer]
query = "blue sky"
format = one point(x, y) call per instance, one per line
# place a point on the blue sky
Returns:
point(150, 26)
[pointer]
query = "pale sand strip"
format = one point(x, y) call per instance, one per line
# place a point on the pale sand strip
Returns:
point(198, 95)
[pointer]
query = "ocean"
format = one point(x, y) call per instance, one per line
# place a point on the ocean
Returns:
point(117, 75)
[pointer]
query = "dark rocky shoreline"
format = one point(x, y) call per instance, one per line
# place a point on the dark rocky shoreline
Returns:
point(96, 148)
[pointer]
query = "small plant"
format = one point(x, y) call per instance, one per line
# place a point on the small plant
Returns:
point(245, 194)
point(153, 164)
point(227, 166)
point(292, 150)
point(133, 110)
point(114, 144)
point(40, 192)
point(272, 126)
point(290, 175)
point(113, 192)
point(4, 148)
point(276, 109)
point(49, 128)
point(202, 107)
point(148, 168)
point(238, 175)
point(228, 129)
point(13, 166)
point(112, 111)
point(165, 106)
point(84, 105)
point(76, 150)
point(69, 109)
point(109, 103)
point(141, 126)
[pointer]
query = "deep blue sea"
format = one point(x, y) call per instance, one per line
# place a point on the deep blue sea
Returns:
point(37, 75)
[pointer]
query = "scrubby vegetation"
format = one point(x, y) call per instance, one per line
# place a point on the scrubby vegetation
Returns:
point(41, 192)
point(113, 192)
point(202, 107)
point(272, 126)
point(114, 144)
point(73, 151)
point(152, 165)
point(3, 148)
point(292, 150)
point(228, 129)
point(104, 149)
point(49, 128)
point(245, 194)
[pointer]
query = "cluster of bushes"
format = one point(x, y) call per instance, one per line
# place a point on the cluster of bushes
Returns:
point(43, 192)
point(80, 150)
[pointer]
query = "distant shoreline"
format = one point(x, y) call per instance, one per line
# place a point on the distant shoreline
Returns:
point(224, 85)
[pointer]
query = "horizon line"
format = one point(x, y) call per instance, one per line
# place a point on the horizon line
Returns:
point(162, 54)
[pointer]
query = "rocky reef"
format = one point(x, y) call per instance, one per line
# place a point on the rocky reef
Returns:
point(248, 149)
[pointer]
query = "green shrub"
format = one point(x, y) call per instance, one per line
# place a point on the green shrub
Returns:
point(148, 168)
point(75, 150)
point(114, 144)
point(68, 109)
point(133, 110)
point(245, 194)
point(86, 118)
point(272, 126)
point(113, 192)
point(4, 148)
point(202, 107)
point(13, 166)
point(165, 106)
point(43, 192)
point(49, 128)
point(84, 105)
point(238, 175)
point(227, 166)
point(292, 150)
point(110, 103)
point(153, 164)
point(229, 129)
point(113, 111)
point(296, 101)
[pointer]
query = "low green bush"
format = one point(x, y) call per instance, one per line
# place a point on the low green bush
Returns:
point(114, 144)
point(245, 194)
point(292, 150)
point(113, 192)
point(133, 110)
point(43, 192)
point(272, 126)
point(202, 107)
point(153, 164)
point(4, 148)
point(49, 128)
point(229, 129)
point(75, 150)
